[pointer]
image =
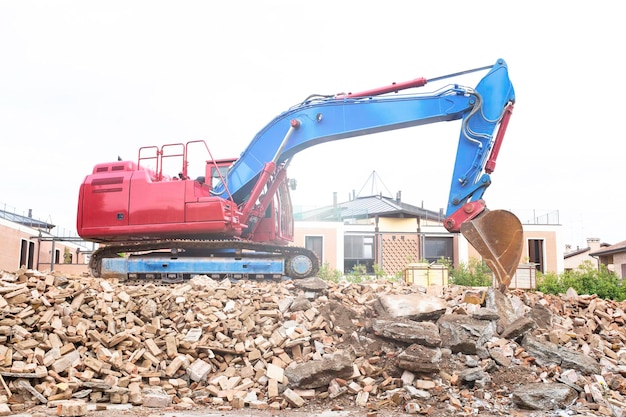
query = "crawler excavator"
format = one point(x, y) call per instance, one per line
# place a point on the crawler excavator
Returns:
point(236, 220)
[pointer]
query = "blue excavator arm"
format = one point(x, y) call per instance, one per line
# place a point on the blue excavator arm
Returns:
point(321, 119)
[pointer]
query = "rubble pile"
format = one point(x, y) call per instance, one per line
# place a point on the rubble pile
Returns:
point(72, 342)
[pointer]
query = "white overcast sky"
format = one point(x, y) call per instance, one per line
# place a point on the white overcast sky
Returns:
point(82, 82)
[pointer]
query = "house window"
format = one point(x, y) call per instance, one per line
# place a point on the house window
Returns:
point(358, 250)
point(436, 247)
point(316, 244)
point(27, 253)
point(535, 253)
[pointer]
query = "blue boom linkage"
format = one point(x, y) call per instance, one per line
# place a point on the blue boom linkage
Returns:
point(321, 119)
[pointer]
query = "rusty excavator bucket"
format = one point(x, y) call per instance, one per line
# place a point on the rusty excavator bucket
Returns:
point(498, 236)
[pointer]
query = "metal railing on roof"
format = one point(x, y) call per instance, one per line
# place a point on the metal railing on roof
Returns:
point(538, 216)
point(51, 231)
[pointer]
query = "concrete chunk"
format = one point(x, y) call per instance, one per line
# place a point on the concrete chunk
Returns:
point(199, 370)
point(292, 398)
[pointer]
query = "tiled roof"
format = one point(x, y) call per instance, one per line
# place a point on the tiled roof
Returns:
point(365, 207)
point(616, 248)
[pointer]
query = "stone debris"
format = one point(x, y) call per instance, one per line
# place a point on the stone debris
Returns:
point(541, 396)
point(70, 342)
point(71, 408)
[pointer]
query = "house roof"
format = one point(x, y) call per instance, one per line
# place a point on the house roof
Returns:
point(367, 207)
point(580, 251)
point(616, 248)
point(25, 220)
point(576, 252)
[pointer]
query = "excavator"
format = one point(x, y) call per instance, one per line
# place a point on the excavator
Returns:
point(236, 220)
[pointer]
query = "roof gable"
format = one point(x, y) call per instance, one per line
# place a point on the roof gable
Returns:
point(367, 207)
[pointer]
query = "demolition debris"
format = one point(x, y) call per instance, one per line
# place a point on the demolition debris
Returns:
point(75, 343)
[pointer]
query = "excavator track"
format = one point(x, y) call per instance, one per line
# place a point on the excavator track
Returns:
point(298, 262)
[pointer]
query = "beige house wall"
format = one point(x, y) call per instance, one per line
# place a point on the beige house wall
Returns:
point(574, 261)
point(552, 246)
point(10, 244)
point(71, 269)
point(395, 225)
point(13, 234)
point(332, 240)
point(619, 264)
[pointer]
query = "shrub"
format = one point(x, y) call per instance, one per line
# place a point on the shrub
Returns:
point(358, 273)
point(586, 279)
point(475, 273)
point(378, 271)
point(328, 273)
point(550, 284)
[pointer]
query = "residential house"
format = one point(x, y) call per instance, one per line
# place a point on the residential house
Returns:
point(31, 243)
point(355, 228)
point(573, 258)
point(613, 257)
point(382, 231)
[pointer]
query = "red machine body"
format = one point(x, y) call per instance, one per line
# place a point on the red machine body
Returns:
point(124, 201)
point(130, 202)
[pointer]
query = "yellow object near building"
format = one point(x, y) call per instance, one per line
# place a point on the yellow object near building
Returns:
point(425, 274)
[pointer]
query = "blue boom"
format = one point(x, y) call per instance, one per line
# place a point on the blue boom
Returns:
point(324, 119)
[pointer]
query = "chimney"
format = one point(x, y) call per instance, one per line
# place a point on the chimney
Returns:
point(399, 196)
point(593, 242)
point(568, 247)
point(30, 213)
